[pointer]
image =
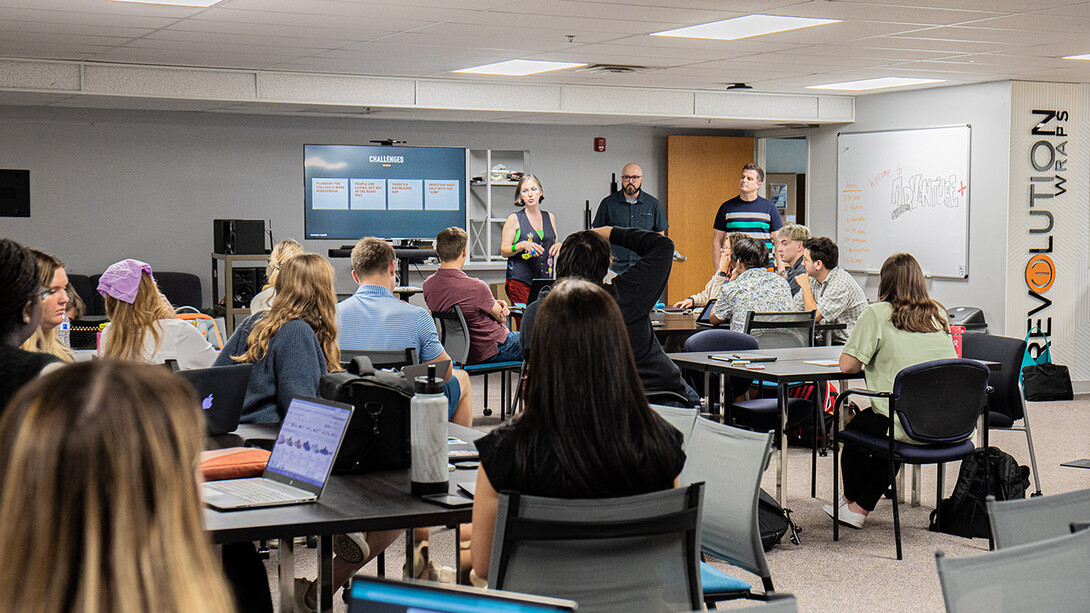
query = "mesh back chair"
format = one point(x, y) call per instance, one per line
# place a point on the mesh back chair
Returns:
point(730, 462)
point(636, 553)
point(719, 340)
point(454, 334)
point(381, 359)
point(1021, 521)
point(678, 417)
point(181, 289)
point(1006, 406)
point(938, 404)
point(781, 329)
point(1049, 575)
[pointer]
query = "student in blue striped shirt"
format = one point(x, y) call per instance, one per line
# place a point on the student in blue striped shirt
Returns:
point(748, 213)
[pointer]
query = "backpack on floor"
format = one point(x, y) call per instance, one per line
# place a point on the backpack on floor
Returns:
point(774, 521)
point(965, 513)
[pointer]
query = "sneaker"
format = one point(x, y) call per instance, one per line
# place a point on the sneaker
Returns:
point(438, 573)
point(351, 547)
point(302, 586)
point(847, 516)
point(420, 562)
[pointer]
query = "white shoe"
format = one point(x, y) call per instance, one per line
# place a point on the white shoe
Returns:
point(846, 515)
point(351, 547)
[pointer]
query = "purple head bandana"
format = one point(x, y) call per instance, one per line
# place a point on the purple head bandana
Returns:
point(122, 280)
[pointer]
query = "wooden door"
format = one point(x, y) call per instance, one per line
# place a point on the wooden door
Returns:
point(702, 172)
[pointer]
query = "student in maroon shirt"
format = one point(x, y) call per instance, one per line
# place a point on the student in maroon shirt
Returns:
point(489, 338)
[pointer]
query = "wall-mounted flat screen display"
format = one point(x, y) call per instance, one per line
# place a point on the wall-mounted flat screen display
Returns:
point(351, 191)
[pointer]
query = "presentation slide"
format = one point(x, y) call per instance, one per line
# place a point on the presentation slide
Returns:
point(351, 191)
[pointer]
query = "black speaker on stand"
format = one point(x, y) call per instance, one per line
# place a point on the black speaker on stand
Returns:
point(244, 286)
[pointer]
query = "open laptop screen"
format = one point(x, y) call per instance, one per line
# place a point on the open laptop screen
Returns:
point(308, 441)
point(374, 595)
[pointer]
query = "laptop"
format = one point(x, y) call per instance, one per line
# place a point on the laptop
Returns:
point(221, 391)
point(374, 594)
point(413, 371)
point(299, 466)
point(705, 317)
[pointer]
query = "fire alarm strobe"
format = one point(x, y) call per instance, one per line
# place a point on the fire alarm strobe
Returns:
point(599, 143)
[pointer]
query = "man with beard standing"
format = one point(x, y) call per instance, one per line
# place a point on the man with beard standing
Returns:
point(630, 207)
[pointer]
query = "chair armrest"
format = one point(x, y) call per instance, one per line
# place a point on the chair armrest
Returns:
point(843, 397)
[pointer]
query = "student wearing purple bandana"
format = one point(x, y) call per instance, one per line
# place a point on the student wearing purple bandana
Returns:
point(143, 327)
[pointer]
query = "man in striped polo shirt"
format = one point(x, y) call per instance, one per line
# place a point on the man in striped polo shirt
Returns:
point(748, 213)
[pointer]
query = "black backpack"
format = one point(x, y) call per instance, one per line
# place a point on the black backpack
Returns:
point(774, 521)
point(965, 512)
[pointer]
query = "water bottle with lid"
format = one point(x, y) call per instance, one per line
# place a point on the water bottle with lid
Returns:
point(64, 332)
point(428, 436)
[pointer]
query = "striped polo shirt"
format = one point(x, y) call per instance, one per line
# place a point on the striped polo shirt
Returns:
point(757, 219)
point(373, 319)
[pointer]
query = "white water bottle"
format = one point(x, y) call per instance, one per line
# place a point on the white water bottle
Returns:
point(428, 440)
point(63, 332)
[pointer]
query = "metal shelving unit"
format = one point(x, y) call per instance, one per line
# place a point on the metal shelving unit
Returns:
point(491, 201)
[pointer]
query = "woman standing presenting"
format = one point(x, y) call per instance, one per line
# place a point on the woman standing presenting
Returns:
point(529, 240)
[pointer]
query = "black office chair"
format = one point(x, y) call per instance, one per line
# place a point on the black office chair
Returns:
point(379, 359)
point(717, 340)
point(781, 329)
point(938, 404)
point(454, 334)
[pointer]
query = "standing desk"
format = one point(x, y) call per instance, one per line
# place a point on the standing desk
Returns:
point(350, 503)
point(790, 367)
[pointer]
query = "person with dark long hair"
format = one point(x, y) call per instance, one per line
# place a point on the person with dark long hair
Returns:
point(21, 297)
point(904, 328)
point(587, 430)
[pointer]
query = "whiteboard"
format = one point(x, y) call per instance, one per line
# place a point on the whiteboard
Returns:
point(904, 190)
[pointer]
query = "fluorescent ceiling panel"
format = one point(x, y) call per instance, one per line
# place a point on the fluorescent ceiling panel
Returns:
point(197, 3)
point(519, 68)
point(879, 83)
point(745, 27)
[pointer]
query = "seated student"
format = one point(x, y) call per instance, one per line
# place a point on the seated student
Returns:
point(373, 319)
point(291, 345)
point(587, 430)
point(723, 275)
point(829, 289)
point(486, 317)
point(55, 281)
point(789, 242)
point(102, 511)
point(282, 251)
point(21, 295)
point(143, 327)
point(904, 328)
point(754, 287)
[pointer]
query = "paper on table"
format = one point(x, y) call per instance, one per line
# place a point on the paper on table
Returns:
point(823, 362)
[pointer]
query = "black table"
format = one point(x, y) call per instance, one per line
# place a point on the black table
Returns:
point(350, 503)
point(673, 327)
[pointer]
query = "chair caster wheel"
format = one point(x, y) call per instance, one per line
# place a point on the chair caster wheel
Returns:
point(487, 412)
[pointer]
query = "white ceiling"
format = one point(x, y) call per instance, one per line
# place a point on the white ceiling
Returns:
point(961, 41)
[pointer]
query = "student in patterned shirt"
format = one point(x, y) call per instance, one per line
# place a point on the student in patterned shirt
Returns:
point(828, 288)
point(748, 213)
point(754, 288)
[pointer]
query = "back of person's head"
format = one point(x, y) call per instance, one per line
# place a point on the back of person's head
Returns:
point(794, 232)
point(823, 249)
point(283, 250)
point(904, 287)
point(371, 256)
point(450, 243)
point(45, 339)
point(99, 494)
point(20, 309)
point(585, 404)
point(133, 306)
point(750, 252)
point(584, 255)
point(757, 169)
point(304, 290)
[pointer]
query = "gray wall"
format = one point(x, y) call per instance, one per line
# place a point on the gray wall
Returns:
point(986, 108)
point(107, 185)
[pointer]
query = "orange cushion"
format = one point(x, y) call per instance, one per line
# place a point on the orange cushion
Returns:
point(233, 463)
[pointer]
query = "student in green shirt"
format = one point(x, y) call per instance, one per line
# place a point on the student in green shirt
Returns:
point(904, 328)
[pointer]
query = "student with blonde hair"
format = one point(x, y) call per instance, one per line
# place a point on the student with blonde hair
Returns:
point(292, 344)
point(54, 281)
point(99, 495)
point(143, 327)
point(283, 250)
point(724, 274)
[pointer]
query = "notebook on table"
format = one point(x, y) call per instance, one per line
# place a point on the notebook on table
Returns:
point(221, 391)
point(376, 595)
point(300, 464)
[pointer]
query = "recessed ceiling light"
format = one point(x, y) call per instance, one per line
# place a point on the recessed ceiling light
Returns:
point(745, 27)
point(1084, 56)
point(519, 68)
point(196, 3)
point(879, 83)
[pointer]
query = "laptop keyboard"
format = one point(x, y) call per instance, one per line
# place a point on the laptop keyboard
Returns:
point(252, 490)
